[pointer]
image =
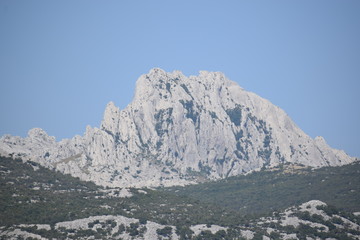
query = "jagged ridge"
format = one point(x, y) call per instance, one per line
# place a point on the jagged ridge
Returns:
point(179, 130)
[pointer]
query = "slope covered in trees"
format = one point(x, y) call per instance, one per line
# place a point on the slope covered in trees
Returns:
point(266, 191)
point(230, 209)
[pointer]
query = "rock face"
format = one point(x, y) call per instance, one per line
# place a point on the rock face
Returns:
point(179, 130)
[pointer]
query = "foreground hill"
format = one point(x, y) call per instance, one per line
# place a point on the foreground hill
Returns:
point(269, 190)
point(179, 130)
point(311, 220)
point(39, 203)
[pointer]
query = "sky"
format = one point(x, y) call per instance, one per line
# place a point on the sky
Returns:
point(61, 62)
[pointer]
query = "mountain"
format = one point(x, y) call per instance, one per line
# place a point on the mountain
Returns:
point(179, 130)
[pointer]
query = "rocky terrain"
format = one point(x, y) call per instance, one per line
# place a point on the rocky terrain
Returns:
point(179, 130)
point(311, 220)
point(37, 203)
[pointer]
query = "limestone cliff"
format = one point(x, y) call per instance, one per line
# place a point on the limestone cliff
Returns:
point(179, 130)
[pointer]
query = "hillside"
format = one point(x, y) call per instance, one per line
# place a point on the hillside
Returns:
point(30, 191)
point(42, 204)
point(269, 190)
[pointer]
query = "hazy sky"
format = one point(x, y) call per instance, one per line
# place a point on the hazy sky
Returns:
point(61, 62)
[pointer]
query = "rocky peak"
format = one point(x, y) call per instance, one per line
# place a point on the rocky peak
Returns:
point(111, 116)
point(38, 134)
point(213, 80)
point(180, 130)
point(158, 84)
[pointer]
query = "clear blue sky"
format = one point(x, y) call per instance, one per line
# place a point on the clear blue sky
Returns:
point(61, 62)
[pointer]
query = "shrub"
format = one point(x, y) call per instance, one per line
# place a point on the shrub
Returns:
point(166, 231)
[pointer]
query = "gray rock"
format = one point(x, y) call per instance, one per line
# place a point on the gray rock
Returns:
point(179, 130)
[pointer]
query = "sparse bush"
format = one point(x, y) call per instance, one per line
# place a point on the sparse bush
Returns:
point(166, 231)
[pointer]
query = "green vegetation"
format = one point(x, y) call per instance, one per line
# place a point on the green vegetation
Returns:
point(166, 231)
point(50, 197)
point(30, 193)
point(261, 193)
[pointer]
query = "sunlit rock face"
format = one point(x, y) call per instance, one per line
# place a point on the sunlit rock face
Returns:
point(179, 130)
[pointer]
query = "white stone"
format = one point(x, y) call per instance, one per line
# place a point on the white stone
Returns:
point(175, 126)
point(197, 229)
point(247, 234)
